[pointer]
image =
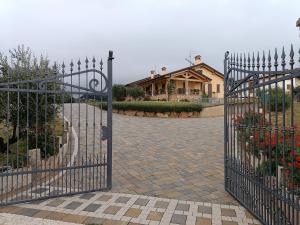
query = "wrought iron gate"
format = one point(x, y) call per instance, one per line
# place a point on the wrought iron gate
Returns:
point(56, 127)
point(262, 134)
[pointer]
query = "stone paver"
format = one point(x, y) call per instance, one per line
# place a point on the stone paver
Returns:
point(170, 158)
point(161, 204)
point(92, 210)
point(11, 219)
point(164, 171)
point(92, 207)
point(179, 219)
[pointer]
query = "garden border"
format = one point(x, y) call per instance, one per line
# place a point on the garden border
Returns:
point(211, 111)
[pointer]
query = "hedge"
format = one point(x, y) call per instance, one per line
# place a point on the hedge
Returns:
point(154, 106)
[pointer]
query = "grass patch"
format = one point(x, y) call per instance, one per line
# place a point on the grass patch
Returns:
point(153, 106)
point(288, 116)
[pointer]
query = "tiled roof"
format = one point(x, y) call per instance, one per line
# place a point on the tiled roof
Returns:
point(190, 68)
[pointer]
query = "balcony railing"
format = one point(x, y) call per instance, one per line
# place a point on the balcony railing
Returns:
point(182, 91)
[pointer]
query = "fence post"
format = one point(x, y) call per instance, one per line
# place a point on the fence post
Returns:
point(225, 119)
point(109, 119)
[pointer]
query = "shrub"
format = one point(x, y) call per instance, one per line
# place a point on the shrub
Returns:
point(170, 89)
point(184, 100)
point(275, 98)
point(134, 92)
point(119, 92)
point(267, 168)
point(152, 106)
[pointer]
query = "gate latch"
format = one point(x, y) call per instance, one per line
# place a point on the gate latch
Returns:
point(104, 133)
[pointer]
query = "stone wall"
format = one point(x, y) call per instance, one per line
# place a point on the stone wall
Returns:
point(175, 97)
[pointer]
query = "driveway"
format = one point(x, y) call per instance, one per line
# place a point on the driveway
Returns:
point(167, 158)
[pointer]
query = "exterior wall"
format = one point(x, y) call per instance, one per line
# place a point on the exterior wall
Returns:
point(194, 85)
point(297, 82)
point(215, 81)
point(191, 85)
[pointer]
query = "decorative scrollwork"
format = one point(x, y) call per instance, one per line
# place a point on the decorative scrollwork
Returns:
point(255, 79)
point(95, 82)
point(90, 89)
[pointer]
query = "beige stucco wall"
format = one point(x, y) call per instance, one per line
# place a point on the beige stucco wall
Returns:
point(194, 85)
point(215, 81)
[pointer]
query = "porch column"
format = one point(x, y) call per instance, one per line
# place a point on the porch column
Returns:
point(186, 85)
point(152, 89)
point(166, 88)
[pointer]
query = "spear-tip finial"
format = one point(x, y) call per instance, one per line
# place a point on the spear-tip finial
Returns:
point(283, 55)
point(292, 55)
point(101, 64)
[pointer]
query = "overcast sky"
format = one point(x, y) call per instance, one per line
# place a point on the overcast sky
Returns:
point(147, 34)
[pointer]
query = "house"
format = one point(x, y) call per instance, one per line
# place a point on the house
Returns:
point(189, 83)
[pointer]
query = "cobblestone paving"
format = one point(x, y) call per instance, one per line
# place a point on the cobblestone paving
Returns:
point(108, 208)
point(171, 158)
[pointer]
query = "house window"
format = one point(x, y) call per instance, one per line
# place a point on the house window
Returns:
point(218, 88)
point(288, 87)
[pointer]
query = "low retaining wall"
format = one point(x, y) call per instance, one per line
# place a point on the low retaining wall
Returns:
point(213, 111)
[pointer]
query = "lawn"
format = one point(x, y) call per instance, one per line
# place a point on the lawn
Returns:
point(288, 116)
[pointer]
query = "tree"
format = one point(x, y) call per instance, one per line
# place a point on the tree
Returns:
point(26, 113)
point(276, 97)
point(170, 89)
point(134, 92)
point(119, 92)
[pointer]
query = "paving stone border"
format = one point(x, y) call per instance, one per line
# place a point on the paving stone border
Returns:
point(108, 208)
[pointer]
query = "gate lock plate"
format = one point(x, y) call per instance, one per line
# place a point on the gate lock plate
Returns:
point(104, 133)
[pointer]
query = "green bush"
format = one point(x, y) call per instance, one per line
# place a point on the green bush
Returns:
point(135, 92)
point(119, 92)
point(184, 100)
point(151, 106)
point(275, 98)
point(267, 168)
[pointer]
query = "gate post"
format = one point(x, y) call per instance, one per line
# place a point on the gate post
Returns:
point(109, 119)
point(225, 119)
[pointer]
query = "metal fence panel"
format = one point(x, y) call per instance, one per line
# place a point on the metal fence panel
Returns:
point(53, 142)
point(262, 134)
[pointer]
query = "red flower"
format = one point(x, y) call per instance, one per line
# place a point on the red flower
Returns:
point(294, 164)
point(293, 153)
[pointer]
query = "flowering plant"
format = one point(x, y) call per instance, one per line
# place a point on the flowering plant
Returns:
point(278, 147)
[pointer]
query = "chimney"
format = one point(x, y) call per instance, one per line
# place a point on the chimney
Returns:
point(163, 70)
point(197, 59)
point(152, 74)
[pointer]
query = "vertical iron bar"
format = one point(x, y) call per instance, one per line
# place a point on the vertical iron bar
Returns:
point(109, 119)
point(225, 119)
